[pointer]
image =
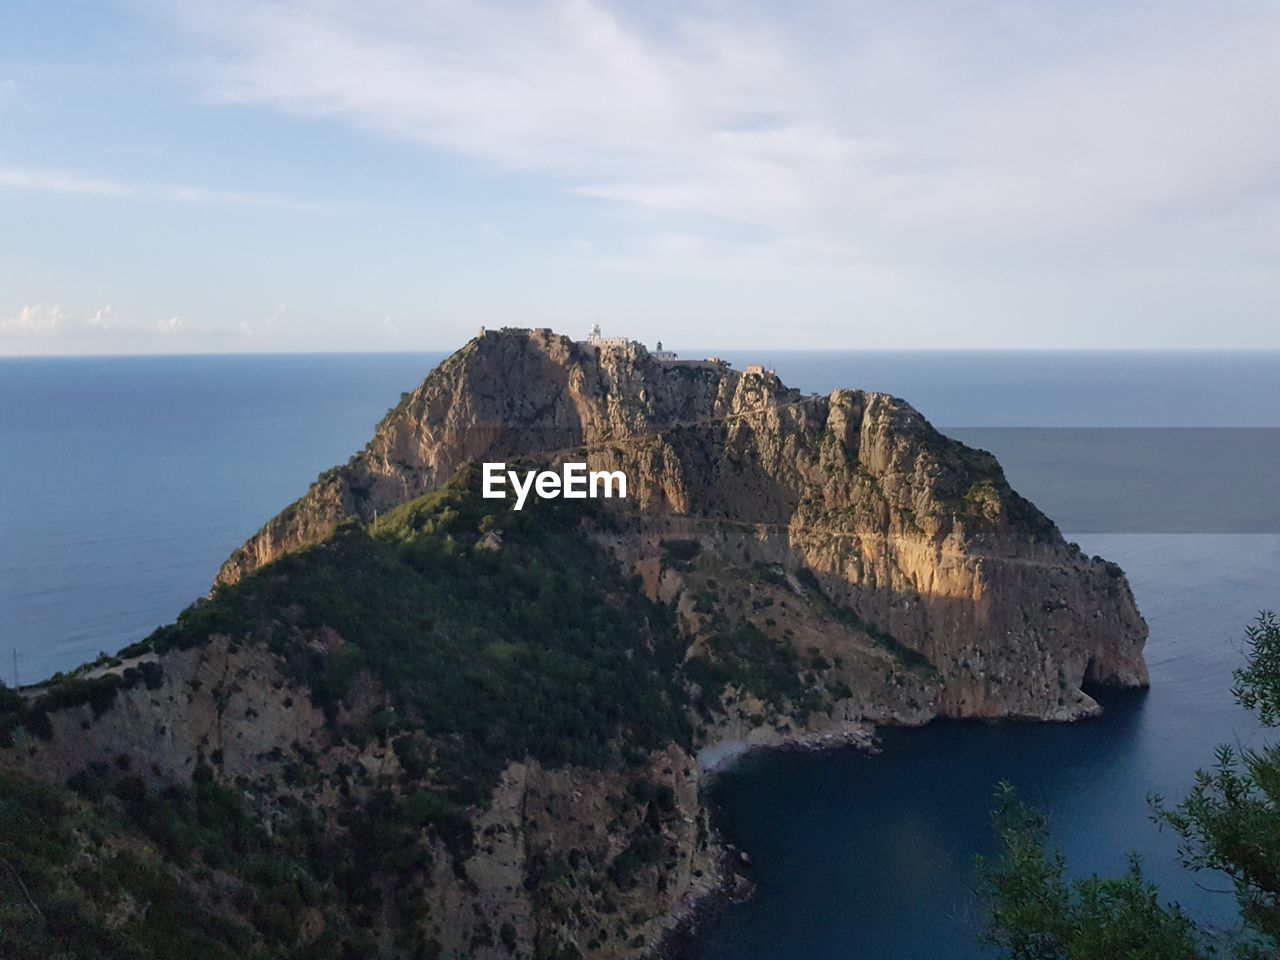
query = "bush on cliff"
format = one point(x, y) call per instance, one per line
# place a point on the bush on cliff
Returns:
point(1229, 822)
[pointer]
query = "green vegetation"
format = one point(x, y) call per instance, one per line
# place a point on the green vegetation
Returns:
point(65, 692)
point(118, 869)
point(63, 872)
point(1033, 913)
point(454, 633)
point(680, 553)
point(459, 634)
point(749, 660)
point(534, 647)
point(976, 490)
point(1229, 822)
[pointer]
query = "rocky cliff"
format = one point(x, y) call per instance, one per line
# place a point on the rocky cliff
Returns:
point(919, 535)
point(413, 722)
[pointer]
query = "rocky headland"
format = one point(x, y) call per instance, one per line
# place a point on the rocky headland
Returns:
point(409, 721)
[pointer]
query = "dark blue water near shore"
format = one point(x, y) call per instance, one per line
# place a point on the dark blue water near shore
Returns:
point(872, 857)
point(125, 482)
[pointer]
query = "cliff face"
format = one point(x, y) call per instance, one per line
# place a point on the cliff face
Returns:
point(918, 535)
point(412, 722)
point(554, 860)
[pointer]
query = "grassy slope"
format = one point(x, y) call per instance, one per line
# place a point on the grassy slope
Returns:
point(485, 636)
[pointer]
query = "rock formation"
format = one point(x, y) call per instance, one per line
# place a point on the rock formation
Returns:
point(464, 731)
point(918, 534)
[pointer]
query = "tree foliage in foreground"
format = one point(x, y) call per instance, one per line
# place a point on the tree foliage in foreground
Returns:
point(1035, 913)
point(1228, 822)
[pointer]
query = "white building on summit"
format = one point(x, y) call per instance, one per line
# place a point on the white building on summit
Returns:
point(598, 340)
point(668, 356)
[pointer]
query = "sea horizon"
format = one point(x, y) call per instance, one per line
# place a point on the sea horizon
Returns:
point(132, 478)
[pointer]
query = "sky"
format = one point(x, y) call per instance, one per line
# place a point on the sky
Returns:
point(312, 175)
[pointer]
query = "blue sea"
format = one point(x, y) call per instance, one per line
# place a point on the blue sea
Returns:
point(124, 483)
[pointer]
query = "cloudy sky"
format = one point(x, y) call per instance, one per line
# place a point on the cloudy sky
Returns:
point(231, 175)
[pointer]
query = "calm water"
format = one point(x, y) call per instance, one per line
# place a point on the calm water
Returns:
point(125, 482)
point(858, 857)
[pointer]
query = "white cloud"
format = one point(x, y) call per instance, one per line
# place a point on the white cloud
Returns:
point(253, 328)
point(35, 321)
point(678, 244)
point(57, 181)
point(100, 319)
point(46, 322)
point(992, 173)
point(61, 181)
point(886, 130)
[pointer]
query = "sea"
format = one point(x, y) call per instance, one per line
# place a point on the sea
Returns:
point(124, 483)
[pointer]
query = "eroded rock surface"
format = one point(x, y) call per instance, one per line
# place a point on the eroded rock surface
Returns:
point(825, 564)
point(916, 533)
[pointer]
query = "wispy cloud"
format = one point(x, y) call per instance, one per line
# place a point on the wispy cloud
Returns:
point(263, 327)
point(678, 244)
point(37, 321)
point(61, 181)
point(990, 173)
point(101, 319)
point(57, 181)
point(878, 127)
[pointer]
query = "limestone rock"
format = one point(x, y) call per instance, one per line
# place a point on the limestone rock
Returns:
point(917, 534)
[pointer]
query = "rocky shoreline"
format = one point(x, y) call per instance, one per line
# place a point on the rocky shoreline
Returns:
point(724, 754)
